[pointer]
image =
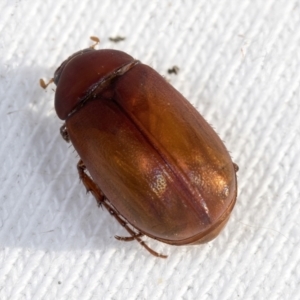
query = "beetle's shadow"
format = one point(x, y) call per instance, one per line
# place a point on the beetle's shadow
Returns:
point(44, 204)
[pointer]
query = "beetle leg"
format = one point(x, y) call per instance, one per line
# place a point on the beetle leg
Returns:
point(128, 238)
point(135, 236)
point(89, 183)
point(64, 133)
point(101, 200)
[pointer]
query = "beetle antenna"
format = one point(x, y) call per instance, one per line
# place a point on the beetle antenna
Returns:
point(96, 40)
point(43, 84)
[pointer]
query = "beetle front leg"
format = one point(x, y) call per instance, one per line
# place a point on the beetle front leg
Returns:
point(101, 200)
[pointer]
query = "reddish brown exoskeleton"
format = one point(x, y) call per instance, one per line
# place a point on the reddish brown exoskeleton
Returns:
point(154, 162)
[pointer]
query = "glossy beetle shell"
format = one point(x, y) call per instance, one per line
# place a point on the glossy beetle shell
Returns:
point(155, 158)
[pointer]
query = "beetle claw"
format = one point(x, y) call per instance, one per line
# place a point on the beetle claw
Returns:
point(124, 238)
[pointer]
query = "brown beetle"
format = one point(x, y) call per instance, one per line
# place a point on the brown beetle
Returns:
point(157, 165)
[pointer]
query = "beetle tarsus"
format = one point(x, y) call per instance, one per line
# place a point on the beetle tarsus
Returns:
point(101, 200)
point(128, 238)
point(134, 235)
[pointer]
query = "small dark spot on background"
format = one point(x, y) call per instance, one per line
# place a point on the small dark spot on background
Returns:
point(117, 39)
point(59, 282)
point(174, 70)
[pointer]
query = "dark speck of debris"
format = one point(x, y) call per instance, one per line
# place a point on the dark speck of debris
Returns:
point(117, 39)
point(174, 70)
point(59, 282)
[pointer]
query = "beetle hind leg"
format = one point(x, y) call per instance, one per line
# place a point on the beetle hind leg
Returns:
point(128, 238)
point(91, 186)
point(134, 236)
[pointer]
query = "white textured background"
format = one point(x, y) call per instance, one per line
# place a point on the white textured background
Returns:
point(239, 65)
